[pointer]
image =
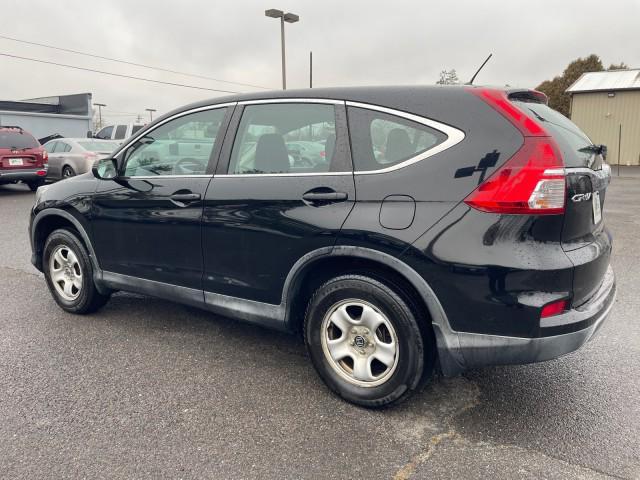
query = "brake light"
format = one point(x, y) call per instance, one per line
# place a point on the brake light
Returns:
point(554, 308)
point(41, 173)
point(45, 155)
point(532, 181)
point(90, 155)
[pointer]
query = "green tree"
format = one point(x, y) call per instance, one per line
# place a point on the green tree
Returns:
point(620, 66)
point(556, 89)
point(448, 77)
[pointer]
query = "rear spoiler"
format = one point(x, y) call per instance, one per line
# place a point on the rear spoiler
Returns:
point(526, 95)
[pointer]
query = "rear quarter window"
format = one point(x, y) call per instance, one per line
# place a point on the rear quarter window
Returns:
point(380, 140)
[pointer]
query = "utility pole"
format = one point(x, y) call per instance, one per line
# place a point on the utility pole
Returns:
point(284, 17)
point(139, 118)
point(310, 69)
point(100, 105)
point(151, 110)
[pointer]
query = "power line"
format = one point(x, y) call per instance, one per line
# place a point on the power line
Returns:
point(77, 52)
point(115, 74)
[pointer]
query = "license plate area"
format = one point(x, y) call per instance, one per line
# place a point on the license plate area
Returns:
point(16, 162)
point(597, 209)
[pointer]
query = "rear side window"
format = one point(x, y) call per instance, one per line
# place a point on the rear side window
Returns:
point(121, 132)
point(49, 147)
point(380, 140)
point(285, 138)
point(575, 146)
point(17, 140)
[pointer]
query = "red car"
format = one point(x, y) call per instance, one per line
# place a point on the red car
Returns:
point(22, 158)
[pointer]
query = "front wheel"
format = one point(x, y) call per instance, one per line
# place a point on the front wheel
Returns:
point(69, 273)
point(364, 340)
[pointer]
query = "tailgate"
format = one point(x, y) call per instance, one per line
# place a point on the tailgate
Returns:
point(584, 236)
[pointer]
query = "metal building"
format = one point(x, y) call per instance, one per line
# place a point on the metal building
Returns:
point(606, 105)
point(65, 115)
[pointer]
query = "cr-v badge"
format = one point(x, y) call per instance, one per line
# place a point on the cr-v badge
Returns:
point(581, 197)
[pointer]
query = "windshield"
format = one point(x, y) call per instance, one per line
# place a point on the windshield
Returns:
point(577, 149)
point(97, 146)
point(17, 140)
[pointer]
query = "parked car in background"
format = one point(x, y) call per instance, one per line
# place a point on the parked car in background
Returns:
point(22, 158)
point(69, 157)
point(474, 237)
point(119, 131)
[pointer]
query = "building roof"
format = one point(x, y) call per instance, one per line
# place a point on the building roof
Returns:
point(608, 80)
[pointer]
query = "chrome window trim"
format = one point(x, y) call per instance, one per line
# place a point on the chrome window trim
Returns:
point(290, 174)
point(158, 177)
point(133, 140)
point(293, 100)
point(454, 136)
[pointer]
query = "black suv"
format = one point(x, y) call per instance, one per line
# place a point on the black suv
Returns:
point(423, 226)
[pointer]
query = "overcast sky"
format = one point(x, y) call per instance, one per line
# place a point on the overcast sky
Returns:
point(353, 43)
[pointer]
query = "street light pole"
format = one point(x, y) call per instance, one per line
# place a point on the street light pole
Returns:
point(151, 110)
point(100, 105)
point(284, 17)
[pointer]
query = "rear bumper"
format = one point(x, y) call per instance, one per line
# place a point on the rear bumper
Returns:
point(460, 350)
point(24, 174)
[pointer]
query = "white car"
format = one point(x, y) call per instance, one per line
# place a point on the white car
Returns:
point(119, 131)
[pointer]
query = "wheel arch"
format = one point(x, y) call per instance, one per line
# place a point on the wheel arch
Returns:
point(52, 219)
point(320, 265)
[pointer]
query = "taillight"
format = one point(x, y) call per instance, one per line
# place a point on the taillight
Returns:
point(90, 155)
point(532, 181)
point(45, 155)
point(554, 308)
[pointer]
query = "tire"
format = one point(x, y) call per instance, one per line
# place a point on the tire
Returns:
point(33, 186)
point(68, 172)
point(69, 273)
point(350, 362)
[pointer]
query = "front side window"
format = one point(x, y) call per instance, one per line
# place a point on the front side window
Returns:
point(105, 133)
point(284, 138)
point(121, 132)
point(380, 140)
point(181, 146)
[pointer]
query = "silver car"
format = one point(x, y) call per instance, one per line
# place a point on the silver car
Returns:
point(72, 156)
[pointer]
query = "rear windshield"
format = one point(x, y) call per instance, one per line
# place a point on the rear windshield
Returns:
point(97, 146)
point(17, 140)
point(576, 147)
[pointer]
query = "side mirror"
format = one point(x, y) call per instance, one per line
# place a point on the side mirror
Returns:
point(89, 134)
point(603, 151)
point(105, 168)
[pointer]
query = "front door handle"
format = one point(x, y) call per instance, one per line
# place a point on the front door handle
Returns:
point(185, 197)
point(324, 197)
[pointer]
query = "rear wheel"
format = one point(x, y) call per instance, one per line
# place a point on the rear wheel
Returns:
point(67, 172)
point(69, 273)
point(365, 343)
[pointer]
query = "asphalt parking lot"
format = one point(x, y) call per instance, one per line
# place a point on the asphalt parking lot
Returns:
point(150, 389)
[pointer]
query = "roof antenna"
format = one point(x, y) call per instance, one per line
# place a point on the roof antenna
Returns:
point(470, 82)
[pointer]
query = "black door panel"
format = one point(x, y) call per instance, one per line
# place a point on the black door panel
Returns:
point(150, 234)
point(290, 190)
point(256, 228)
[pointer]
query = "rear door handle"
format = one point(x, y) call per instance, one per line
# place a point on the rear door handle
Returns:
point(185, 197)
point(315, 197)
